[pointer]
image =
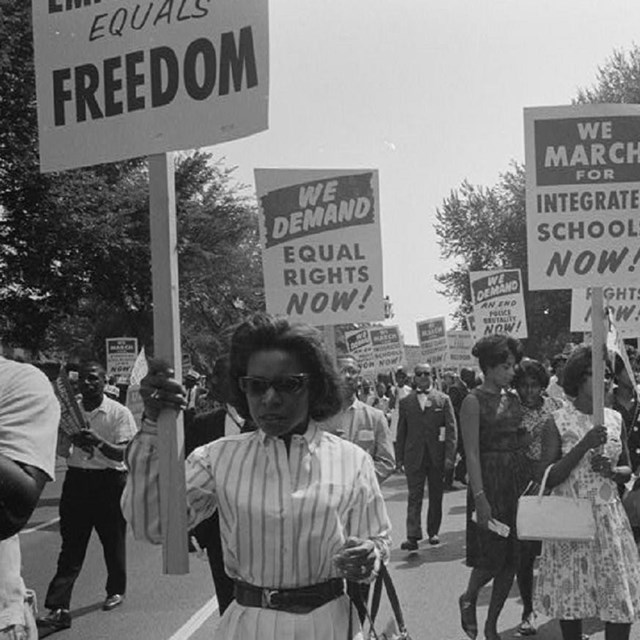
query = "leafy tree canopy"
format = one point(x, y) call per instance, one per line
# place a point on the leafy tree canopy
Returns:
point(74, 246)
point(484, 228)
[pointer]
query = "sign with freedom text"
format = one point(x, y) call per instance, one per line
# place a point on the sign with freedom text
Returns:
point(321, 248)
point(117, 80)
point(377, 349)
point(459, 345)
point(583, 195)
point(498, 303)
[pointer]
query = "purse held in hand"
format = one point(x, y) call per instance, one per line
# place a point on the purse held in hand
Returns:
point(553, 517)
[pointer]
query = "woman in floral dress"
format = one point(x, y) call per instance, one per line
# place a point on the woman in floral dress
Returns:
point(599, 579)
point(530, 381)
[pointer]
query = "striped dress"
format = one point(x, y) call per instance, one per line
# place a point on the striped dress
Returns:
point(282, 518)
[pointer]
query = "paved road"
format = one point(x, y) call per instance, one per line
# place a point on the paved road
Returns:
point(162, 607)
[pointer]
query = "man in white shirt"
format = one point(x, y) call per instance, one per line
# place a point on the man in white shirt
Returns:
point(29, 416)
point(90, 498)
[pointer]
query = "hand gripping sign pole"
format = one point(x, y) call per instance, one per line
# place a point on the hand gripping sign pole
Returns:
point(166, 322)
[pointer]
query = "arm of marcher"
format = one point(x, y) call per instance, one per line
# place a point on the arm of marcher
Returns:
point(21, 486)
point(141, 496)
point(384, 459)
point(450, 434)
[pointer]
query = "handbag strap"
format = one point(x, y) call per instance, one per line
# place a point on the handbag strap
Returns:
point(384, 578)
point(544, 484)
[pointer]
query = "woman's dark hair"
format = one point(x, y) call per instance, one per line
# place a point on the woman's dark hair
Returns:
point(576, 369)
point(494, 350)
point(262, 332)
point(530, 368)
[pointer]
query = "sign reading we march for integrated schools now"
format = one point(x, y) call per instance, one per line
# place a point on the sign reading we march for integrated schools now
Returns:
point(583, 195)
point(121, 79)
point(121, 356)
point(377, 349)
point(321, 247)
point(498, 302)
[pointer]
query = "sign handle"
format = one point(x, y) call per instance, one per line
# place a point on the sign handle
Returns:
point(598, 342)
point(166, 331)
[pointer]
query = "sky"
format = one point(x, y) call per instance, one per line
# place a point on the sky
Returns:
point(430, 93)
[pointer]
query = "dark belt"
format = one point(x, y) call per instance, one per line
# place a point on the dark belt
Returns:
point(301, 600)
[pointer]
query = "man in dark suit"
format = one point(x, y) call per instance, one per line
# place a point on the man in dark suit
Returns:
point(427, 437)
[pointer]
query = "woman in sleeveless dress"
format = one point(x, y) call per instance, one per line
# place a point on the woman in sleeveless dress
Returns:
point(599, 579)
point(495, 443)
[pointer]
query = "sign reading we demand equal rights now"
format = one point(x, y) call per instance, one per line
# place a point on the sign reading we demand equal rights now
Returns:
point(123, 79)
point(321, 247)
point(583, 195)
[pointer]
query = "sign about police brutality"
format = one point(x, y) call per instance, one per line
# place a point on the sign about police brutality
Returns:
point(121, 356)
point(377, 349)
point(116, 80)
point(583, 195)
point(623, 303)
point(432, 338)
point(498, 303)
point(321, 248)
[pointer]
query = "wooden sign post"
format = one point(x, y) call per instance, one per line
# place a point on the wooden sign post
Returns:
point(597, 354)
point(166, 323)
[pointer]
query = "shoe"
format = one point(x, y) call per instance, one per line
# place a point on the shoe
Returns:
point(112, 602)
point(468, 619)
point(55, 620)
point(434, 541)
point(526, 627)
point(411, 544)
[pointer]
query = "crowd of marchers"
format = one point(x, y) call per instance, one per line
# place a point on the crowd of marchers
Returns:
point(286, 450)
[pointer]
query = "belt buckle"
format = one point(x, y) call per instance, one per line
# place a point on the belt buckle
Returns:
point(267, 595)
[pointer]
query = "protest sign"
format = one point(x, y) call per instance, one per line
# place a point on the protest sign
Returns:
point(459, 345)
point(121, 356)
point(134, 400)
point(432, 337)
point(498, 303)
point(377, 349)
point(623, 304)
point(127, 79)
point(321, 247)
point(582, 195)
point(71, 416)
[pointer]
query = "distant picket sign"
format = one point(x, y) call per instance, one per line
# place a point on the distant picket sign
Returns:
point(459, 345)
point(377, 349)
point(321, 245)
point(127, 79)
point(122, 354)
point(432, 338)
point(623, 303)
point(582, 195)
point(498, 302)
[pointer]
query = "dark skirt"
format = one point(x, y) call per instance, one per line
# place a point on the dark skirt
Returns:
point(505, 475)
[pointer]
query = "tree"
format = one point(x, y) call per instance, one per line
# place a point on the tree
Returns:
point(74, 246)
point(484, 228)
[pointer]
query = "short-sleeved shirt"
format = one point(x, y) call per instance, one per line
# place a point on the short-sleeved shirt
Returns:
point(113, 422)
point(29, 417)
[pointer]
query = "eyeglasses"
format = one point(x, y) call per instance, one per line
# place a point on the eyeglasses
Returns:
point(422, 373)
point(257, 386)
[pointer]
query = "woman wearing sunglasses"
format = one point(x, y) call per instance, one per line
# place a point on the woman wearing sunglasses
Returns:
point(300, 509)
point(599, 579)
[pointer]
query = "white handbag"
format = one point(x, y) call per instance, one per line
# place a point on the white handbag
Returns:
point(555, 517)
